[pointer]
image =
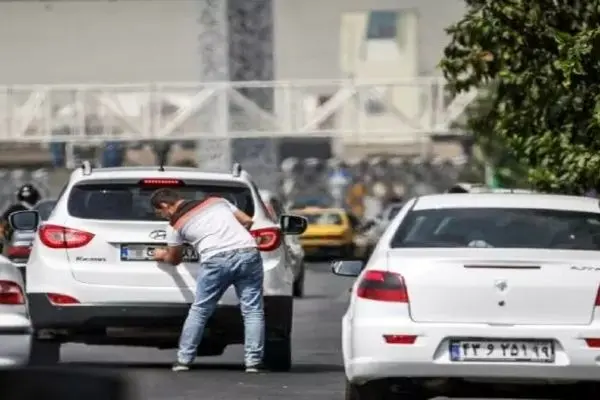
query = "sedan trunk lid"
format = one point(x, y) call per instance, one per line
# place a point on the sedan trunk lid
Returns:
point(499, 286)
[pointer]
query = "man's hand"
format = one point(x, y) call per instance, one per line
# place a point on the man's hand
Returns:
point(172, 254)
point(160, 254)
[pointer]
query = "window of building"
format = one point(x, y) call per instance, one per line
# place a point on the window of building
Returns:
point(382, 25)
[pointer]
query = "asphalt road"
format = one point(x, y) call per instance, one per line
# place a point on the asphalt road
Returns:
point(317, 372)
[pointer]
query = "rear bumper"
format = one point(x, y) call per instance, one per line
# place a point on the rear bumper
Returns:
point(15, 340)
point(14, 348)
point(88, 323)
point(368, 357)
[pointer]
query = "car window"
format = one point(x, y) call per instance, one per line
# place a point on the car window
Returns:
point(45, 208)
point(393, 212)
point(500, 228)
point(130, 201)
point(325, 218)
point(262, 204)
point(277, 206)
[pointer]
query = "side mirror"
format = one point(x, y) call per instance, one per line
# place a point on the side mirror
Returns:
point(347, 268)
point(24, 220)
point(292, 224)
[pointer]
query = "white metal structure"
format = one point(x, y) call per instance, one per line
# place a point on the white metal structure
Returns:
point(91, 278)
point(411, 110)
point(15, 327)
point(485, 287)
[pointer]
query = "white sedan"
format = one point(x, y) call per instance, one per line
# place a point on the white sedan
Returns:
point(484, 287)
point(15, 327)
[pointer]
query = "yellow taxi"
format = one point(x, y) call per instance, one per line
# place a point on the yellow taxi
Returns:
point(330, 232)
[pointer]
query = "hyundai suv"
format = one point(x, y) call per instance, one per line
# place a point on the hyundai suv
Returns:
point(91, 277)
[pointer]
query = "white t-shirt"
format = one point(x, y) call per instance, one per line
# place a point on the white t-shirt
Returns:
point(211, 230)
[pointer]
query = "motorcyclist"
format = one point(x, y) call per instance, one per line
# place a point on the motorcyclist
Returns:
point(27, 197)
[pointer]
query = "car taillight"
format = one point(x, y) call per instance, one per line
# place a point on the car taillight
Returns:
point(161, 182)
point(11, 293)
point(267, 239)
point(382, 286)
point(60, 237)
point(61, 299)
point(597, 302)
point(18, 251)
point(593, 342)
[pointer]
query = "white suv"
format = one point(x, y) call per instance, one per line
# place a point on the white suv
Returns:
point(91, 278)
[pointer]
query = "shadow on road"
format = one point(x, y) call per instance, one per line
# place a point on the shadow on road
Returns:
point(296, 369)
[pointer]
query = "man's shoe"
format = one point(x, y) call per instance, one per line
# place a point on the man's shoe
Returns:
point(256, 369)
point(180, 367)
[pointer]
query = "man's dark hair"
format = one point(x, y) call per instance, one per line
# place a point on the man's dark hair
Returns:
point(164, 195)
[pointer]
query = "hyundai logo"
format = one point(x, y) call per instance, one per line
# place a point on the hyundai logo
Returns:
point(158, 234)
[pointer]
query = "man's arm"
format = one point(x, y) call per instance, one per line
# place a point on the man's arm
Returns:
point(241, 216)
point(173, 253)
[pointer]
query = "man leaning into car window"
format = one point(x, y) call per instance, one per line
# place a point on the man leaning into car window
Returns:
point(219, 232)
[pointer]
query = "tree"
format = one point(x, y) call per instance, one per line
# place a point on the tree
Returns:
point(488, 149)
point(544, 57)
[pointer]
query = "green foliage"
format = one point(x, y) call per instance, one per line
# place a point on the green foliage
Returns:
point(543, 57)
point(489, 148)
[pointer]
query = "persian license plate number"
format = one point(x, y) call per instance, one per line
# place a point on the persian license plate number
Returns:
point(146, 253)
point(536, 351)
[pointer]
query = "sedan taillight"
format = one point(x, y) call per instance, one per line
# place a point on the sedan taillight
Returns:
point(13, 252)
point(382, 286)
point(11, 293)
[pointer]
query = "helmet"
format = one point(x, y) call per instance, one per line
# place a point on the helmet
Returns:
point(28, 194)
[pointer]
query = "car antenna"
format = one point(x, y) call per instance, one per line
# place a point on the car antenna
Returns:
point(161, 167)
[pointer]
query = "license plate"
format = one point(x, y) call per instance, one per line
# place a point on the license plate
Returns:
point(143, 252)
point(535, 351)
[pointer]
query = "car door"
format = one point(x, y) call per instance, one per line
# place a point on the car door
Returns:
point(275, 209)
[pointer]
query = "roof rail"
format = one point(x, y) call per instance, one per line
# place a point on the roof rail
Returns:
point(86, 167)
point(236, 170)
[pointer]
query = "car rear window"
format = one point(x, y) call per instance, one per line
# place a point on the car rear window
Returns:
point(45, 209)
point(499, 228)
point(131, 201)
point(325, 218)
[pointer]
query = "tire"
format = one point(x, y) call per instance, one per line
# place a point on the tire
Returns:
point(44, 352)
point(278, 354)
point(298, 289)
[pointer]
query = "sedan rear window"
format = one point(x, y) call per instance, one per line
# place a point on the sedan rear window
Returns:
point(326, 218)
point(130, 201)
point(499, 228)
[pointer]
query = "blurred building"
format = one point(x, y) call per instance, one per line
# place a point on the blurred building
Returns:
point(125, 41)
point(360, 74)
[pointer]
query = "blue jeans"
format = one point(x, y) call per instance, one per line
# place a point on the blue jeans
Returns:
point(244, 270)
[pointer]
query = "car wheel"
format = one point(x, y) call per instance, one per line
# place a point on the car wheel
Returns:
point(278, 354)
point(43, 352)
point(299, 283)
